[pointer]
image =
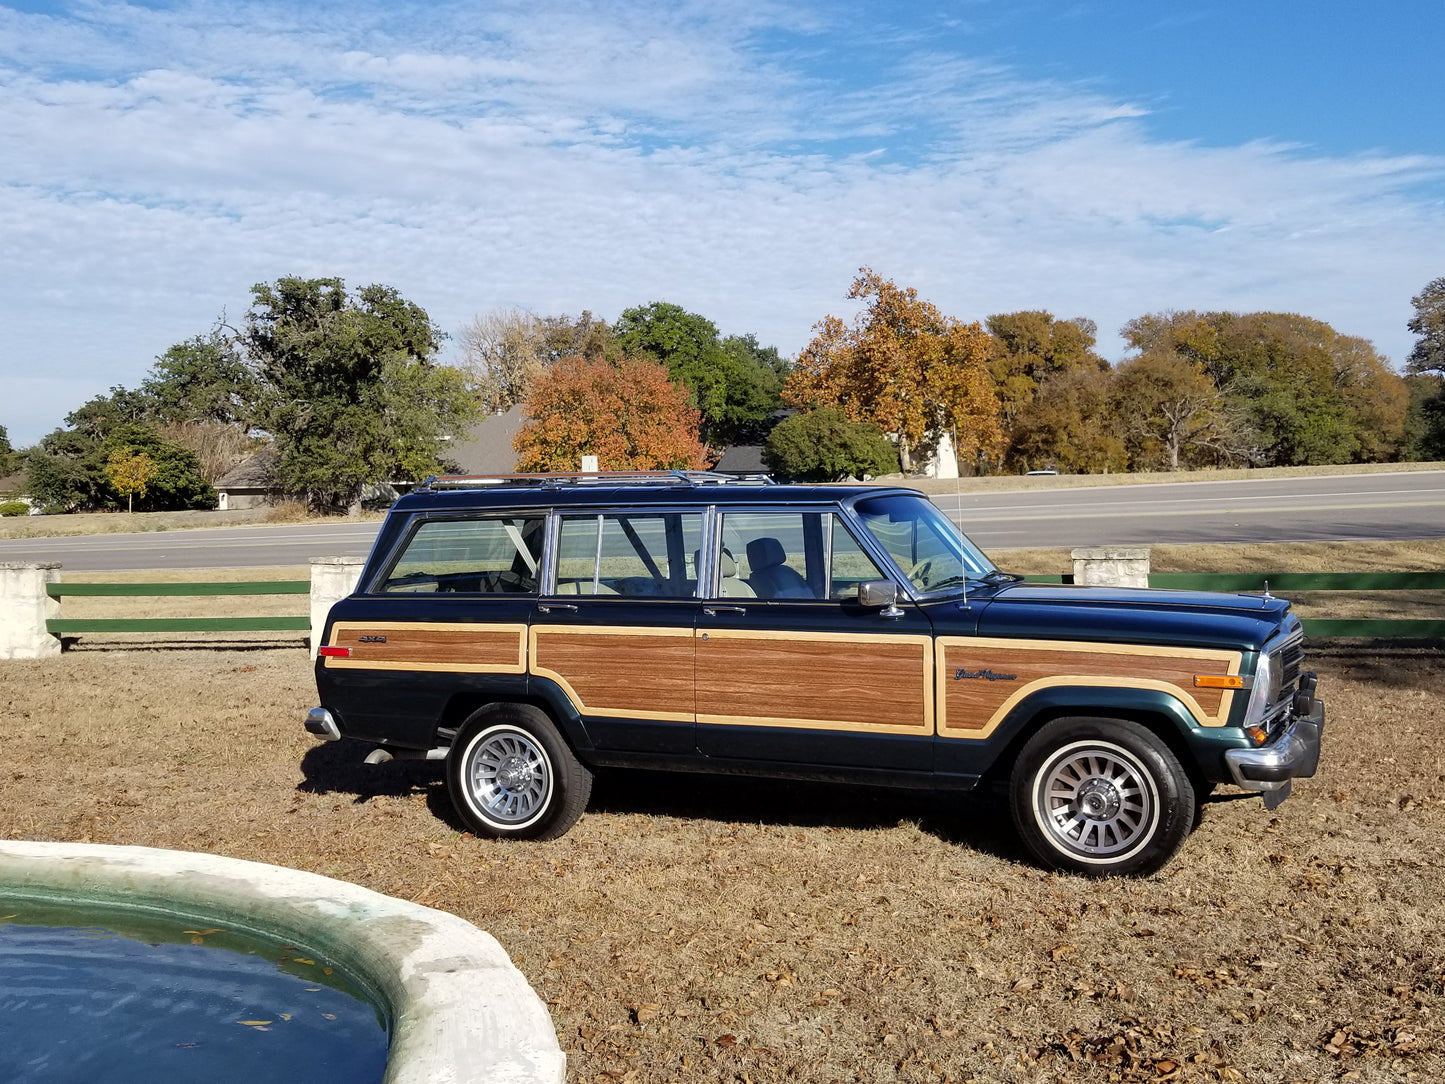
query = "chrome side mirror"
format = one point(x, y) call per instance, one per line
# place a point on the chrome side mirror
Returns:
point(881, 595)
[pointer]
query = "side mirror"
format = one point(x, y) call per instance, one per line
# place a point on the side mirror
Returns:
point(880, 595)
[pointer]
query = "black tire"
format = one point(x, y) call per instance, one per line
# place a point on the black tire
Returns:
point(1140, 797)
point(511, 776)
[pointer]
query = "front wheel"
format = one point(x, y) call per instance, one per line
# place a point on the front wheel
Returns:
point(1101, 797)
point(511, 776)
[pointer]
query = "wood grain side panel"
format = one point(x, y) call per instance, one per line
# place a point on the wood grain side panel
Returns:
point(617, 672)
point(979, 681)
point(459, 647)
point(850, 682)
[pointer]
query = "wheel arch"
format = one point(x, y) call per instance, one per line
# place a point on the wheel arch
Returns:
point(544, 695)
point(1165, 716)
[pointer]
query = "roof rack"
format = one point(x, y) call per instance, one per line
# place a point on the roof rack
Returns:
point(606, 477)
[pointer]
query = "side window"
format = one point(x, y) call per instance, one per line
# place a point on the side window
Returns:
point(649, 554)
point(775, 554)
point(791, 555)
point(486, 556)
point(850, 565)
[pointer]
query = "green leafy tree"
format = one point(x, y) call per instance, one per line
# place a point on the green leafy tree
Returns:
point(9, 457)
point(204, 379)
point(824, 446)
point(69, 471)
point(1172, 414)
point(1428, 323)
point(128, 472)
point(348, 387)
point(627, 412)
point(734, 383)
point(1424, 439)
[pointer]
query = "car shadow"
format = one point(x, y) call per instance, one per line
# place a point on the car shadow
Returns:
point(975, 820)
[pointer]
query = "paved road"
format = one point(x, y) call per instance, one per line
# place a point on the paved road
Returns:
point(1343, 507)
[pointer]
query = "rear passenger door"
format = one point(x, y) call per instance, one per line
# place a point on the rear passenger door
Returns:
point(614, 628)
point(791, 668)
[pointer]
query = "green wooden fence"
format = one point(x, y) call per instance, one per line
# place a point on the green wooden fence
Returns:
point(68, 626)
point(1277, 582)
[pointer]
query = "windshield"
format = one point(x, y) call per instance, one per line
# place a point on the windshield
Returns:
point(923, 542)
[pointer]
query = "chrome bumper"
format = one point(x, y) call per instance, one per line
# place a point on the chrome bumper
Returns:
point(320, 722)
point(1295, 754)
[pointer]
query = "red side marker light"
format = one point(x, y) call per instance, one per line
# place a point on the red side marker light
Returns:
point(335, 652)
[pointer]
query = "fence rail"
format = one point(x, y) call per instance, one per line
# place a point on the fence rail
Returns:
point(62, 626)
point(1392, 628)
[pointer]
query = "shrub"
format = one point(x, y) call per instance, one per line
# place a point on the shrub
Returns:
point(824, 446)
point(14, 508)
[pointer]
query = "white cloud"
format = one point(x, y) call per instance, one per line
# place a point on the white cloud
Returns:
point(156, 163)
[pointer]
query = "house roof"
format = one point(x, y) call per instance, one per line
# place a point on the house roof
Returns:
point(486, 448)
point(256, 471)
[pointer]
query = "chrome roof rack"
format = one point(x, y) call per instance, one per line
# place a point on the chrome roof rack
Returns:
point(606, 477)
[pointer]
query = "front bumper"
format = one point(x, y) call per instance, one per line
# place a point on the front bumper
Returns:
point(1294, 754)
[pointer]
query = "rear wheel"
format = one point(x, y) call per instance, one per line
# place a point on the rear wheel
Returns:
point(1101, 797)
point(511, 776)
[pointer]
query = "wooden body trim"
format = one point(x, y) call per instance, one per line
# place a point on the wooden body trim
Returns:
point(881, 686)
point(974, 707)
point(619, 671)
point(463, 647)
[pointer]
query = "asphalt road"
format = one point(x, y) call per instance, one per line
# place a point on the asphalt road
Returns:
point(1335, 508)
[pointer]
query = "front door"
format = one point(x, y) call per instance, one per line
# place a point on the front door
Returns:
point(791, 668)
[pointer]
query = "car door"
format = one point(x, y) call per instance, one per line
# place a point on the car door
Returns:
point(791, 667)
point(614, 629)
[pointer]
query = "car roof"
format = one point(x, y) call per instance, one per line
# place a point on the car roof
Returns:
point(622, 488)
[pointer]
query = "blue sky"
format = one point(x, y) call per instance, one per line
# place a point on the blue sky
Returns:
point(1093, 159)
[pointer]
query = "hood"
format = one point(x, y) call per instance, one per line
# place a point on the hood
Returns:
point(1130, 615)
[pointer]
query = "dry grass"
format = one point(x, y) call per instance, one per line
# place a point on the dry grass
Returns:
point(707, 929)
point(91, 523)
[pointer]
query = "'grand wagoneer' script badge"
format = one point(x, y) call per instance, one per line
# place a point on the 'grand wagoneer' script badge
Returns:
point(989, 675)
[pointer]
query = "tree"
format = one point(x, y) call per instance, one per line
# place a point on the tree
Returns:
point(348, 387)
point(1031, 347)
point(128, 471)
point(1172, 414)
point(626, 412)
point(734, 383)
point(1428, 353)
point(904, 366)
point(70, 470)
point(1070, 425)
point(9, 457)
point(824, 446)
point(1424, 439)
point(506, 351)
point(204, 379)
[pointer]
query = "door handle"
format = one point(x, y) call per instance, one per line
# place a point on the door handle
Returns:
point(548, 607)
point(713, 611)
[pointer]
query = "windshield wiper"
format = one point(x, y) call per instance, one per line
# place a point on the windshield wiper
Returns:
point(1002, 577)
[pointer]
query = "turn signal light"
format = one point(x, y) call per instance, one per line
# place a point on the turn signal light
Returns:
point(334, 652)
point(1257, 734)
point(1218, 681)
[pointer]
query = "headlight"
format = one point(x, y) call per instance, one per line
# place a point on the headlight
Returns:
point(1264, 692)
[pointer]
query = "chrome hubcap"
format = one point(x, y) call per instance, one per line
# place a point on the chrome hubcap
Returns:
point(1095, 800)
point(510, 777)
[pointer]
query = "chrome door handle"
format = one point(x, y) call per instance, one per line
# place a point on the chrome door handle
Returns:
point(713, 611)
point(548, 607)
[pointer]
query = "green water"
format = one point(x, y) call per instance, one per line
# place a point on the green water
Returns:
point(120, 997)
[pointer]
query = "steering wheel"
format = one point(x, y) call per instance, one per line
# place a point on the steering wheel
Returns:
point(921, 573)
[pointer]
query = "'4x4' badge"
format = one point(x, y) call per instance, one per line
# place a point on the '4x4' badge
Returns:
point(988, 675)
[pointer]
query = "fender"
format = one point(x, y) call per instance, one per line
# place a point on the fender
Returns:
point(1179, 727)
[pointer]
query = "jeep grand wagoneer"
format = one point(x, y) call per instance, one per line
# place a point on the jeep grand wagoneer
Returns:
point(530, 629)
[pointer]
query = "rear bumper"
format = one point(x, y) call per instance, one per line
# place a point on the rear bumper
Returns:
point(322, 724)
point(1295, 754)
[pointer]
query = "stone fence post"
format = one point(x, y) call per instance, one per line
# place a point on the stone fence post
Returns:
point(24, 609)
point(332, 579)
point(1110, 567)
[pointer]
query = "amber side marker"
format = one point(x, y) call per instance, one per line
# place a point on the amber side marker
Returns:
point(1218, 681)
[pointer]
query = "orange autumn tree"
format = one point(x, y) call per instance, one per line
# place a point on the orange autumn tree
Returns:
point(626, 412)
point(904, 366)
